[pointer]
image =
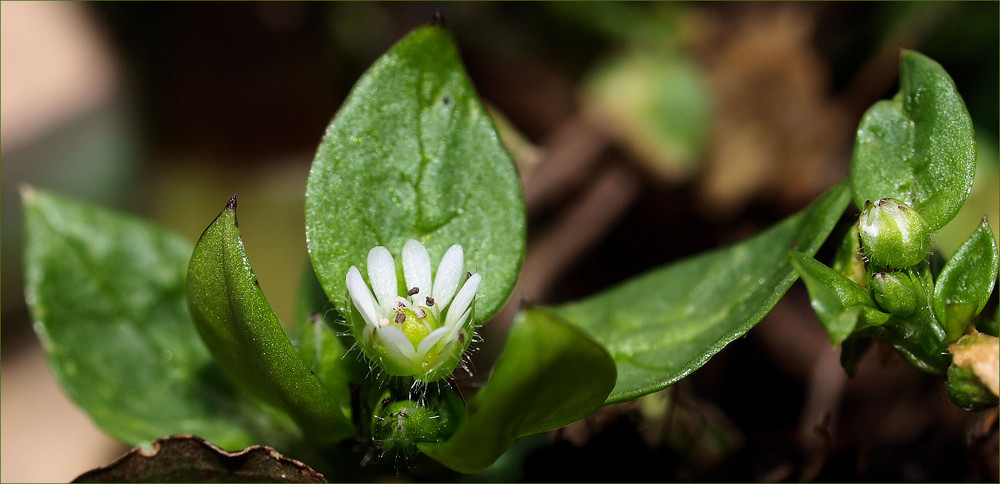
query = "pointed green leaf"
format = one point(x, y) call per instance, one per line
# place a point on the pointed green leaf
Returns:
point(838, 301)
point(106, 292)
point(243, 333)
point(412, 153)
point(967, 279)
point(918, 147)
point(661, 326)
point(548, 376)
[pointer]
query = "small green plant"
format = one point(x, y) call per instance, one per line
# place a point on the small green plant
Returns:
point(913, 166)
point(415, 224)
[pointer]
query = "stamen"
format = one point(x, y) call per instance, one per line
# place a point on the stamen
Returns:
point(413, 291)
point(430, 301)
point(400, 317)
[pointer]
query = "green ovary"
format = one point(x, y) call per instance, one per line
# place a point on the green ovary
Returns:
point(416, 328)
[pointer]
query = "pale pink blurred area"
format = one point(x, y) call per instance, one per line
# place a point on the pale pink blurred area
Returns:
point(55, 68)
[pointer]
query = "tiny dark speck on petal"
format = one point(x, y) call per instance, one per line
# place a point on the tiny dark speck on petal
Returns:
point(446, 100)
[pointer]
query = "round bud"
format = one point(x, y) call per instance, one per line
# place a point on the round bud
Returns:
point(893, 235)
point(894, 292)
point(398, 426)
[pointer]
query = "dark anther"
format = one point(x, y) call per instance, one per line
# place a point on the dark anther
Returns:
point(400, 317)
point(413, 291)
point(430, 301)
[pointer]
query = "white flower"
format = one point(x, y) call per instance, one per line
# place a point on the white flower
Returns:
point(421, 331)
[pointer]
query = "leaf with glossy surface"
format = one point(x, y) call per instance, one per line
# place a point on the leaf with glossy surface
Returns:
point(412, 154)
point(661, 326)
point(967, 279)
point(243, 333)
point(919, 146)
point(548, 376)
point(106, 291)
point(838, 301)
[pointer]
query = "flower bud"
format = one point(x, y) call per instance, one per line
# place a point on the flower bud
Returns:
point(893, 235)
point(398, 426)
point(894, 292)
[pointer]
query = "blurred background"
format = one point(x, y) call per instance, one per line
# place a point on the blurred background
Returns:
point(644, 133)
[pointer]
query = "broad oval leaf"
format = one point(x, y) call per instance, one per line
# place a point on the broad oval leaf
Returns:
point(661, 326)
point(548, 376)
point(918, 147)
point(966, 279)
point(106, 291)
point(243, 333)
point(412, 154)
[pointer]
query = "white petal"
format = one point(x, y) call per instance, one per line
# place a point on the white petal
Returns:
point(448, 275)
point(382, 274)
point(398, 345)
point(459, 324)
point(417, 269)
point(430, 340)
point(462, 301)
point(361, 296)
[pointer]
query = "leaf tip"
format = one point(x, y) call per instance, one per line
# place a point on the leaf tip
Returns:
point(438, 18)
point(231, 205)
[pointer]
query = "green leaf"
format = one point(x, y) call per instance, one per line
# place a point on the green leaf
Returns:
point(918, 147)
point(661, 326)
point(838, 301)
point(106, 292)
point(239, 327)
point(967, 279)
point(413, 154)
point(548, 376)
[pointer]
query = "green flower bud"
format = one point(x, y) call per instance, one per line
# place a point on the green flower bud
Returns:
point(398, 426)
point(894, 292)
point(893, 235)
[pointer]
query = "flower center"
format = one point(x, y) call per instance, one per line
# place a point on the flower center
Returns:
point(416, 323)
